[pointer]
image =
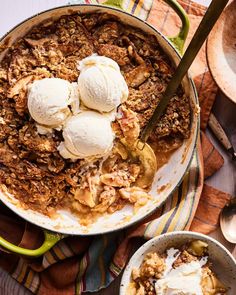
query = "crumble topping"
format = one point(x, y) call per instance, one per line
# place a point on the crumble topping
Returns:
point(180, 270)
point(31, 167)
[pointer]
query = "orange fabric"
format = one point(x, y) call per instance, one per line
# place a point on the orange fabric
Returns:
point(210, 205)
point(212, 158)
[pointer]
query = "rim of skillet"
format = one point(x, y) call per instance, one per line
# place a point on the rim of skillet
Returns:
point(196, 101)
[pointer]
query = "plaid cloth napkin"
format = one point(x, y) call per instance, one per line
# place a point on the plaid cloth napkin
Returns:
point(78, 264)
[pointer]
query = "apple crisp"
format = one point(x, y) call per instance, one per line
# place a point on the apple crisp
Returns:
point(31, 167)
point(182, 270)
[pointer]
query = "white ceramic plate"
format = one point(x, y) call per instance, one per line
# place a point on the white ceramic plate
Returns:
point(221, 51)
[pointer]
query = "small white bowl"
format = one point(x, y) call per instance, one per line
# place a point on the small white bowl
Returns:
point(223, 263)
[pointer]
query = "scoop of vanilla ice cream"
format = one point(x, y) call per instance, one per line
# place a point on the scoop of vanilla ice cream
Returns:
point(88, 134)
point(49, 100)
point(101, 84)
point(184, 279)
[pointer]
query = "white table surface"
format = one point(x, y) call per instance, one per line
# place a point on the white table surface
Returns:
point(14, 11)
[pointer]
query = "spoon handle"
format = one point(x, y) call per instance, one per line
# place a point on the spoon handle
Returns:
point(212, 14)
point(219, 132)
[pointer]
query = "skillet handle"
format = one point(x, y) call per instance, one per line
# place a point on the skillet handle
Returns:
point(50, 239)
point(114, 3)
point(179, 40)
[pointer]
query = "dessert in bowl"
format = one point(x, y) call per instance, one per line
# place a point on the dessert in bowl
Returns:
point(76, 90)
point(180, 263)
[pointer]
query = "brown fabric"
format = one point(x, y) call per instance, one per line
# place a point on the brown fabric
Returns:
point(207, 90)
point(207, 215)
point(211, 157)
point(166, 20)
point(65, 270)
point(28, 241)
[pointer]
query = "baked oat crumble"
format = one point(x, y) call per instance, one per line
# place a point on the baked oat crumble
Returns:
point(31, 166)
point(184, 270)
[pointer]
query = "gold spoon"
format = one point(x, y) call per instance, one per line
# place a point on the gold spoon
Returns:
point(147, 158)
point(141, 148)
point(212, 14)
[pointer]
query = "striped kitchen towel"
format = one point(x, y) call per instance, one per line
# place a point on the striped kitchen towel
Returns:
point(78, 264)
point(140, 8)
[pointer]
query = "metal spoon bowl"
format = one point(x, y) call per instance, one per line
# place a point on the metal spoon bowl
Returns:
point(148, 161)
point(228, 221)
